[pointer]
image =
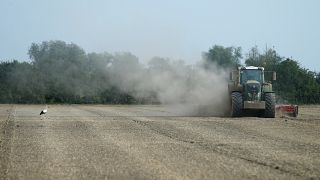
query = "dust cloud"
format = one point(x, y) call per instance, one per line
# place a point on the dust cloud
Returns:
point(185, 89)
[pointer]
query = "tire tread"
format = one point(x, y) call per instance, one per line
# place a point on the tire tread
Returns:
point(269, 111)
point(236, 106)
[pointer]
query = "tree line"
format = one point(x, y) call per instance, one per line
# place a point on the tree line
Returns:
point(64, 73)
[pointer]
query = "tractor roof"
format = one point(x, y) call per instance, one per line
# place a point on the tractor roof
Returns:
point(251, 68)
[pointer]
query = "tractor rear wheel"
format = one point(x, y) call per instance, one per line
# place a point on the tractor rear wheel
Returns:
point(269, 111)
point(236, 104)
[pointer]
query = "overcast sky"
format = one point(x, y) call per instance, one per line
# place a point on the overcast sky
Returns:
point(177, 29)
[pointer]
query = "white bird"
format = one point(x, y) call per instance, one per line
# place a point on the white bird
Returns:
point(44, 111)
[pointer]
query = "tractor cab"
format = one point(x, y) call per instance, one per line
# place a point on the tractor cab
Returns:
point(251, 74)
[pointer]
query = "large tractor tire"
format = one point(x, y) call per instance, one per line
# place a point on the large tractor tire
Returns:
point(236, 104)
point(269, 112)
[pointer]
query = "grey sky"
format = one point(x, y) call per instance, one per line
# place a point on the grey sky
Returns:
point(177, 29)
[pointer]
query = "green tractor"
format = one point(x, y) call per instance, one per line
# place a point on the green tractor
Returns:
point(249, 92)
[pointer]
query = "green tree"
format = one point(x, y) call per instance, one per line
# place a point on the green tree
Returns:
point(269, 60)
point(61, 70)
point(225, 57)
point(98, 71)
point(159, 64)
point(253, 57)
point(318, 77)
point(297, 84)
point(16, 84)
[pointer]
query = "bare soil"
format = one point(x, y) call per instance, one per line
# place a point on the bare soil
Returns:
point(154, 142)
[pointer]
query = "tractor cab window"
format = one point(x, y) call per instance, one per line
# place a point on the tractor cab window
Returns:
point(252, 74)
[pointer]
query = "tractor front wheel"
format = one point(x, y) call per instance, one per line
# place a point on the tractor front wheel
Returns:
point(269, 111)
point(236, 104)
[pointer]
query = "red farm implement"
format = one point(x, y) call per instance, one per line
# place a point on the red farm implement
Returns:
point(288, 109)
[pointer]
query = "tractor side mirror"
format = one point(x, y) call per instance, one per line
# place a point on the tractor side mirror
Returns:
point(274, 76)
